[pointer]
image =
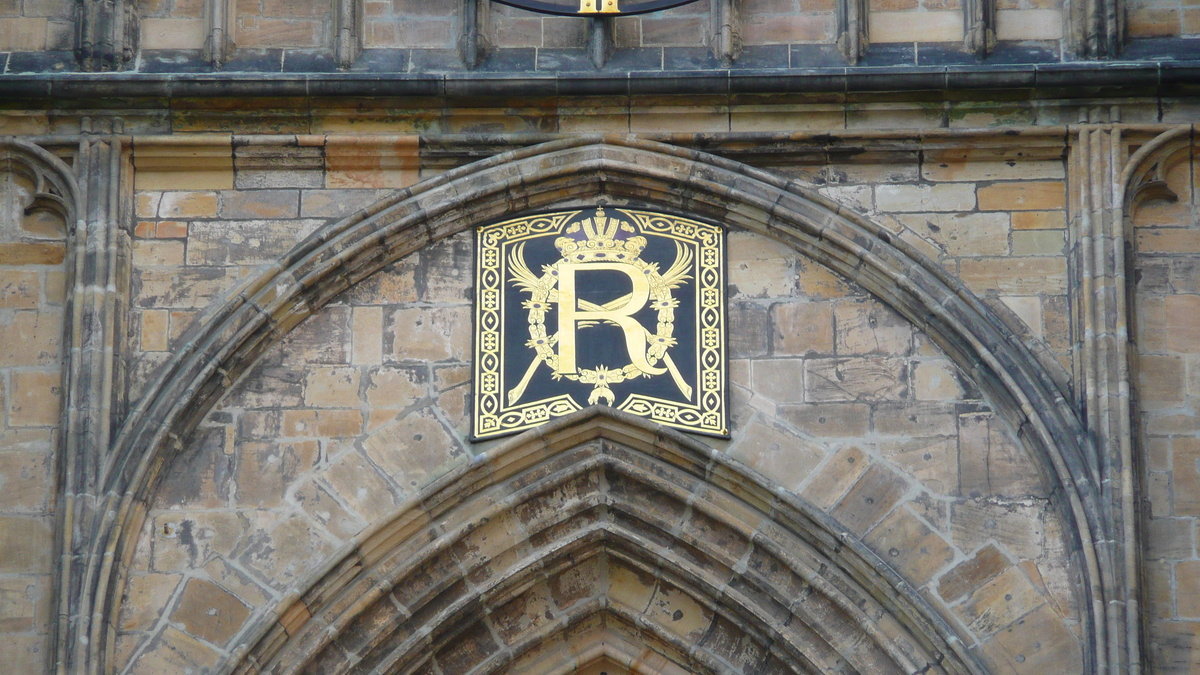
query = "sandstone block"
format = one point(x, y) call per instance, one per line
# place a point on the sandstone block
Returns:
point(25, 653)
point(30, 339)
point(911, 198)
point(870, 328)
point(324, 338)
point(1023, 196)
point(174, 651)
point(759, 267)
point(936, 380)
point(152, 253)
point(875, 493)
point(855, 379)
point(322, 507)
point(34, 399)
point(932, 461)
point(188, 541)
point(1017, 527)
point(25, 604)
point(788, 29)
point(395, 388)
point(332, 388)
point(288, 553)
point(1160, 379)
point(987, 563)
point(154, 330)
point(26, 544)
point(835, 477)
point(819, 282)
point(265, 471)
point(911, 419)
point(413, 450)
point(23, 34)
point(24, 481)
point(208, 611)
point(259, 32)
point(189, 204)
point(843, 420)
point(353, 478)
point(1187, 583)
point(749, 330)
point(962, 234)
point(260, 204)
point(999, 602)
point(1039, 220)
point(146, 204)
point(1037, 643)
point(1182, 313)
point(245, 242)
point(787, 459)
point(1029, 24)
point(337, 203)
point(372, 162)
point(1186, 476)
point(19, 289)
point(1015, 276)
point(173, 33)
point(367, 346)
point(781, 380)
point(44, 253)
point(171, 229)
point(431, 334)
point(969, 165)
point(1038, 242)
point(322, 423)
point(146, 596)
point(910, 546)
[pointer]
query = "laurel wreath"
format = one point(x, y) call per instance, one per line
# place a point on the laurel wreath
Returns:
point(544, 294)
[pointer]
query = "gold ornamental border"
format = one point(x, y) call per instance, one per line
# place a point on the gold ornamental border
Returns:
point(706, 411)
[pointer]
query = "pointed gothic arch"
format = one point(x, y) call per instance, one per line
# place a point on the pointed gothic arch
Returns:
point(605, 525)
point(228, 340)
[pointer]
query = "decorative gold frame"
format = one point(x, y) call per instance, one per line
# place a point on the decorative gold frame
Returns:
point(705, 412)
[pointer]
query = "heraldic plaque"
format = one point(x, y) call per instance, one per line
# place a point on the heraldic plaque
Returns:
point(620, 307)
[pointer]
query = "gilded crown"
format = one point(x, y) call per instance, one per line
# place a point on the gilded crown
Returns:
point(600, 242)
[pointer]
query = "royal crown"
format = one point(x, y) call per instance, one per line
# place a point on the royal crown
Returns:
point(600, 242)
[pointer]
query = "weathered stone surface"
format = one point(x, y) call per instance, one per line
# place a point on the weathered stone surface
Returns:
point(772, 452)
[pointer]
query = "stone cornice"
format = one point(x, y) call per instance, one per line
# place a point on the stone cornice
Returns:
point(1065, 80)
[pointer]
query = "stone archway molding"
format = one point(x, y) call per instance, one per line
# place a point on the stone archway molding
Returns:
point(227, 341)
point(602, 524)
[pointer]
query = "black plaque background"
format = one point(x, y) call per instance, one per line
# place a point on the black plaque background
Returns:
point(602, 344)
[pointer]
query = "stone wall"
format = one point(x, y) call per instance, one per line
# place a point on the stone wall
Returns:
point(32, 291)
point(1166, 330)
point(835, 396)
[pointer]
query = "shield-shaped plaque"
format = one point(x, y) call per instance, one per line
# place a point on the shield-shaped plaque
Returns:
point(614, 306)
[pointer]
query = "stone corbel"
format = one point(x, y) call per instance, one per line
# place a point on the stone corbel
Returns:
point(1096, 28)
point(219, 46)
point(105, 34)
point(349, 31)
point(726, 25)
point(979, 26)
point(852, 27)
point(600, 43)
point(472, 43)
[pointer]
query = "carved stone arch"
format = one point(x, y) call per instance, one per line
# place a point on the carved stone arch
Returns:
point(54, 186)
point(603, 522)
point(1144, 176)
point(227, 341)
